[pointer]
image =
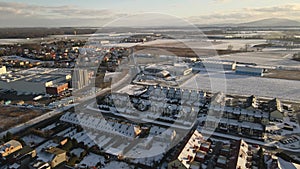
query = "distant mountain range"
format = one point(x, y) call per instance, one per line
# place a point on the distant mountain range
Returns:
point(270, 22)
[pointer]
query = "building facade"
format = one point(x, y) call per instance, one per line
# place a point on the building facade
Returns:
point(10, 147)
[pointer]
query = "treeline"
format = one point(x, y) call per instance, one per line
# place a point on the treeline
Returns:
point(41, 32)
point(296, 57)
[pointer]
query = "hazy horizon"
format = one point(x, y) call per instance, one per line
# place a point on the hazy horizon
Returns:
point(93, 13)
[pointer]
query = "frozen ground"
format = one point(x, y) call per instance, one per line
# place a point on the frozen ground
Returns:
point(148, 156)
point(13, 41)
point(237, 44)
point(211, 44)
point(266, 58)
point(246, 85)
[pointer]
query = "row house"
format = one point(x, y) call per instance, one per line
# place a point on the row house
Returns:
point(187, 157)
point(254, 116)
point(185, 95)
point(236, 127)
point(100, 124)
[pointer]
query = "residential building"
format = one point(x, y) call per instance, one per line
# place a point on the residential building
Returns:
point(40, 165)
point(162, 134)
point(53, 156)
point(251, 103)
point(274, 162)
point(242, 159)
point(22, 157)
point(10, 147)
point(98, 123)
point(187, 156)
point(276, 109)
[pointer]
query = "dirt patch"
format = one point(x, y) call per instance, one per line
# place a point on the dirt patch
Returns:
point(12, 116)
point(283, 74)
point(181, 51)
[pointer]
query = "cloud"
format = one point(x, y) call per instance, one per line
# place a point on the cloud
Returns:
point(66, 10)
point(221, 1)
point(22, 14)
point(283, 8)
point(291, 11)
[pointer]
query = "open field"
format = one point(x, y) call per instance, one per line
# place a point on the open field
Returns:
point(182, 51)
point(223, 44)
point(246, 85)
point(283, 74)
point(11, 116)
point(266, 58)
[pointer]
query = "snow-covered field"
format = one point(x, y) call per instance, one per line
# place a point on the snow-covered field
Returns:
point(246, 85)
point(269, 58)
point(148, 156)
point(197, 44)
point(236, 43)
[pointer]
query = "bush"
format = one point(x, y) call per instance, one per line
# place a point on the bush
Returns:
point(67, 146)
point(73, 160)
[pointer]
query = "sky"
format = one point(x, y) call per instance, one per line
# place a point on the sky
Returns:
point(58, 13)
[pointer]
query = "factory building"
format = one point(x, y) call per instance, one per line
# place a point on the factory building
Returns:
point(33, 81)
point(57, 88)
point(36, 84)
point(251, 71)
point(166, 70)
point(214, 65)
point(179, 70)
